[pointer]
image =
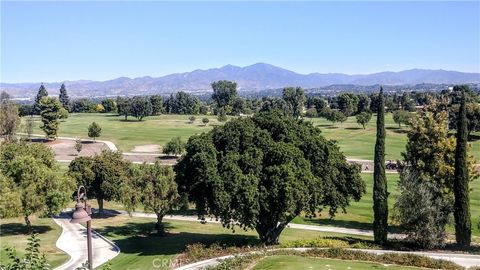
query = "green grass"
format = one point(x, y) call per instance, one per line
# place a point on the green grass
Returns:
point(360, 214)
point(286, 262)
point(354, 141)
point(140, 249)
point(357, 142)
point(127, 134)
point(14, 233)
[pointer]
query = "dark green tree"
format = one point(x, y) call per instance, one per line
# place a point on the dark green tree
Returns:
point(463, 225)
point(363, 118)
point(141, 107)
point(295, 98)
point(174, 147)
point(64, 99)
point(9, 119)
point(155, 188)
point(261, 172)
point(205, 121)
point(380, 193)
point(320, 104)
point(42, 92)
point(94, 130)
point(124, 106)
point(102, 175)
point(363, 103)
point(276, 104)
point(182, 103)
point(32, 182)
point(408, 103)
point(50, 112)
point(157, 104)
point(347, 103)
point(224, 94)
point(109, 105)
point(402, 117)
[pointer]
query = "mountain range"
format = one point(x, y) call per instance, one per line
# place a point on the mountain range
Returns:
point(258, 76)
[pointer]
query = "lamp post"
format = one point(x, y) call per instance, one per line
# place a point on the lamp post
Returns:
point(82, 214)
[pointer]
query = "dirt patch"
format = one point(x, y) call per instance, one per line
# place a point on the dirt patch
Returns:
point(65, 149)
point(147, 148)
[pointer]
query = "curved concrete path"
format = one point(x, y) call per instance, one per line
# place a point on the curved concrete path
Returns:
point(73, 241)
point(319, 228)
point(463, 260)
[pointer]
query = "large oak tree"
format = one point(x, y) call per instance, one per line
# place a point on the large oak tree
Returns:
point(261, 172)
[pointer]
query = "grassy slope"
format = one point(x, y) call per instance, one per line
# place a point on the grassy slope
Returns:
point(13, 233)
point(353, 140)
point(297, 262)
point(139, 249)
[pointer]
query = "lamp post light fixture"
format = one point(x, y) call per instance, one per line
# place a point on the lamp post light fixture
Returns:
point(82, 214)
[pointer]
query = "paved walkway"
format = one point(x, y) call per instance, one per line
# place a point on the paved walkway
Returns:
point(73, 241)
point(318, 228)
point(464, 260)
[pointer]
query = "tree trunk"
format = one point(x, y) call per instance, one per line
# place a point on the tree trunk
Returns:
point(159, 225)
point(29, 224)
point(269, 235)
point(100, 206)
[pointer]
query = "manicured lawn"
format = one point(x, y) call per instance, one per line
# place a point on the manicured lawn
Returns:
point(14, 233)
point(297, 262)
point(354, 141)
point(127, 134)
point(357, 142)
point(140, 250)
point(360, 214)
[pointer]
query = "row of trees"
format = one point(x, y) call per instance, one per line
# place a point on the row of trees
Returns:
point(435, 173)
point(225, 101)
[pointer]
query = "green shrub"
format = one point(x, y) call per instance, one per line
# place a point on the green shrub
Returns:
point(197, 252)
point(316, 243)
point(239, 262)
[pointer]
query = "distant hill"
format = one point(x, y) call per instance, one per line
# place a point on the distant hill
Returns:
point(259, 76)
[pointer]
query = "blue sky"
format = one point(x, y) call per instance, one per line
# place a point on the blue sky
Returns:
point(56, 41)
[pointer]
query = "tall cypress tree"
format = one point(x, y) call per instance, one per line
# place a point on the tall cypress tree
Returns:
point(380, 194)
point(63, 97)
point(463, 225)
point(42, 92)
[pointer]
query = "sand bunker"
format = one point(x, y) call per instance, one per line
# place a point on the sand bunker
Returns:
point(147, 148)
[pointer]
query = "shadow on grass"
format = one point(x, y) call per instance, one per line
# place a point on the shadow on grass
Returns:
point(9, 229)
point(330, 127)
point(353, 128)
point(397, 130)
point(473, 137)
point(348, 224)
point(137, 238)
point(323, 125)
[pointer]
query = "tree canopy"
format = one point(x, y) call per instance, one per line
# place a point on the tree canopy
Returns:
point(50, 112)
point(63, 97)
point(224, 93)
point(30, 181)
point(262, 172)
point(295, 98)
point(102, 175)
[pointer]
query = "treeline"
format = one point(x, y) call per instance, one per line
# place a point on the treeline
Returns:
point(226, 101)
